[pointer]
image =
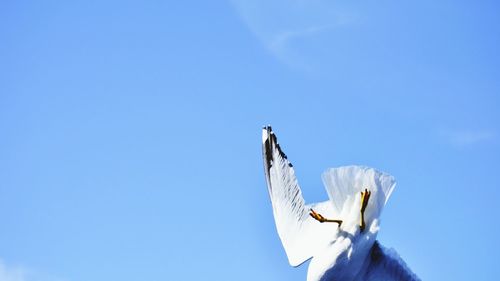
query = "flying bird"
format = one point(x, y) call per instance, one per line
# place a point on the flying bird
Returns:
point(338, 235)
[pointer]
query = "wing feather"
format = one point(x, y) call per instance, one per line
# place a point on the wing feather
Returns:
point(299, 233)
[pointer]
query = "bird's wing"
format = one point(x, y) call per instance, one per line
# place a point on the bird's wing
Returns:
point(386, 265)
point(344, 183)
point(300, 234)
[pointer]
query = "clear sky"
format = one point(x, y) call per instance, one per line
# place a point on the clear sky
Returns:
point(130, 132)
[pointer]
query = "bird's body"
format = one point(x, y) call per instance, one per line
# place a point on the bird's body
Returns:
point(342, 251)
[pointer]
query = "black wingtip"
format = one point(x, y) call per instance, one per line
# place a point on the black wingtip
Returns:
point(269, 141)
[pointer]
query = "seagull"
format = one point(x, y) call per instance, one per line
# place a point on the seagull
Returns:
point(337, 235)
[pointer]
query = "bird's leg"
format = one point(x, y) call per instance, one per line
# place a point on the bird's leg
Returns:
point(365, 196)
point(322, 219)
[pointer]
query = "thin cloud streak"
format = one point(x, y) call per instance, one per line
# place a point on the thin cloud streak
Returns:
point(21, 273)
point(280, 24)
point(280, 41)
point(281, 45)
point(469, 137)
point(11, 273)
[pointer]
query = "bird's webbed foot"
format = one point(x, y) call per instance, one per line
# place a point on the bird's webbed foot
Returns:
point(322, 219)
point(365, 196)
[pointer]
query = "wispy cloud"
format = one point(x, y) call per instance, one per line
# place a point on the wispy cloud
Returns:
point(281, 44)
point(284, 25)
point(282, 38)
point(461, 138)
point(11, 273)
point(19, 273)
point(280, 41)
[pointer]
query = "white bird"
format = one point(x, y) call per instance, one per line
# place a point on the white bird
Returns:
point(344, 248)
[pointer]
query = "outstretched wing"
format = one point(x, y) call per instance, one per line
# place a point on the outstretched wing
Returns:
point(387, 265)
point(299, 233)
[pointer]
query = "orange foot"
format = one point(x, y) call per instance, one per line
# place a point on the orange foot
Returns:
point(365, 196)
point(322, 219)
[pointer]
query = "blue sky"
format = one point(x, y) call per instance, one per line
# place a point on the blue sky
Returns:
point(130, 132)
